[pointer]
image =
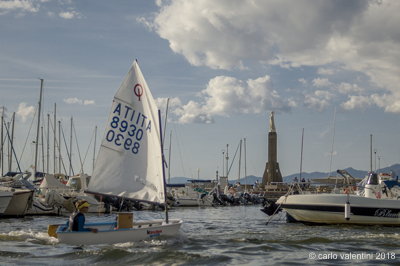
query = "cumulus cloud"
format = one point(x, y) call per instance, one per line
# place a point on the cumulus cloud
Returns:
point(69, 14)
point(318, 100)
point(74, 100)
point(24, 111)
point(33, 6)
point(357, 102)
point(18, 5)
point(347, 88)
point(326, 71)
point(225, 96)
point(321, 82)
point(338, 38)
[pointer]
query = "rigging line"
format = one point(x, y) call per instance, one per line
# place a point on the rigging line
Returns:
point(179, 149)
point(229, 170)
point(66, 149)
point(27, 137)
point(12, 149)
point(165, 122)
point(87, 151)
point(77, 145)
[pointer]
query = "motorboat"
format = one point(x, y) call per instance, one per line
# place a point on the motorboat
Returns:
point(374, 201)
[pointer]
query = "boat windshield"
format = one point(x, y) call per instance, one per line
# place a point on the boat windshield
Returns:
point(372, 179)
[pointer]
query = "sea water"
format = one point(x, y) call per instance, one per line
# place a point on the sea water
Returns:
point(209, 236)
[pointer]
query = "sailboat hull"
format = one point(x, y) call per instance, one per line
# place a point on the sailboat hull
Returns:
point(107, 234)
point(5, 197)
point(19, 203)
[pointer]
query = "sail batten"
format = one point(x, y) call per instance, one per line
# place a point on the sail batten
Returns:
point(129, 163)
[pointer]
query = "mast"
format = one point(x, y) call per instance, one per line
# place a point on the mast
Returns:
point(55, 139)
point(163, 168)
point(43, 169)
point(240, 159)
point(94, 146)
point(245, 166)
point(11, 143)
point(301, 154)
point(223, 163)
point(70, 150)
point(38, 128)
point(48, 142)
point(227, 158)
point(2, 143)
point(59, 146)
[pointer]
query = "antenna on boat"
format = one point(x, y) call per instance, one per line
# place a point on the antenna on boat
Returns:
point(370, 151)
point(301, 153)
point(333, 141)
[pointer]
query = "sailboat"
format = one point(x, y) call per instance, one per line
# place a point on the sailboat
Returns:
point(130, 164)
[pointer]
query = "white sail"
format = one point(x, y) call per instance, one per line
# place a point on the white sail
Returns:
point(129, 163)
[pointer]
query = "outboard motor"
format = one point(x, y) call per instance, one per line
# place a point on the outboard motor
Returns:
point(270, 208)
point(372, 187)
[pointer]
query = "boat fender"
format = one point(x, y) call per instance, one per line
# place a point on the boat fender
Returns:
point(347, 211)
point(378, 194)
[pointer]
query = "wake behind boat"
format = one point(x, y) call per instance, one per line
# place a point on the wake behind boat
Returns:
point(129, 165)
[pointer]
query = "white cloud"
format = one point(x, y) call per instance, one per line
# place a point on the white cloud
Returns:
point(326, 71)
point(25, 111)
point(88, 102)
point(318, 100)
point(69, 14)
point(357, 102)
point(319, 82)
point(303, 81)
point(340, 37)
point(347, 88)
point(74, 100)
point(225, 96)
point(18, 5)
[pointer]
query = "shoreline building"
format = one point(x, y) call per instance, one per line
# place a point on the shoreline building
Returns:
point(272, 173)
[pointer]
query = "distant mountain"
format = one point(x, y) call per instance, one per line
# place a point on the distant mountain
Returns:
point(252, 179)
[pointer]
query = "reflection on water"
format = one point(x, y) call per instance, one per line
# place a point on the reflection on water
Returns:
point(209, 236)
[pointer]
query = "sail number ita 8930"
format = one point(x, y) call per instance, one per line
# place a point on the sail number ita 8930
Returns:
point(124, 134)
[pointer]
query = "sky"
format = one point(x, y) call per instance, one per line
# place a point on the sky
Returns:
point(330, 67)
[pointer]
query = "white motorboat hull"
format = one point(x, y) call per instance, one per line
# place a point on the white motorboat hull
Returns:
point(330, 209)
point(107, 234)
point(5, 198)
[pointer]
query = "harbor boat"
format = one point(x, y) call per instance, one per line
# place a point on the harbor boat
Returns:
point(5, 197)
point(21, 192)
point(130, 164)
point(19, 203)
point(193, 194)
point(55, 197)
point(373, 202)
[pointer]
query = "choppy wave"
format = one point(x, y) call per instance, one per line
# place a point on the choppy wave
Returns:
point(209, 236)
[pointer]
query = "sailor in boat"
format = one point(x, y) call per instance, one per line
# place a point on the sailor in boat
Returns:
point(77, 218)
